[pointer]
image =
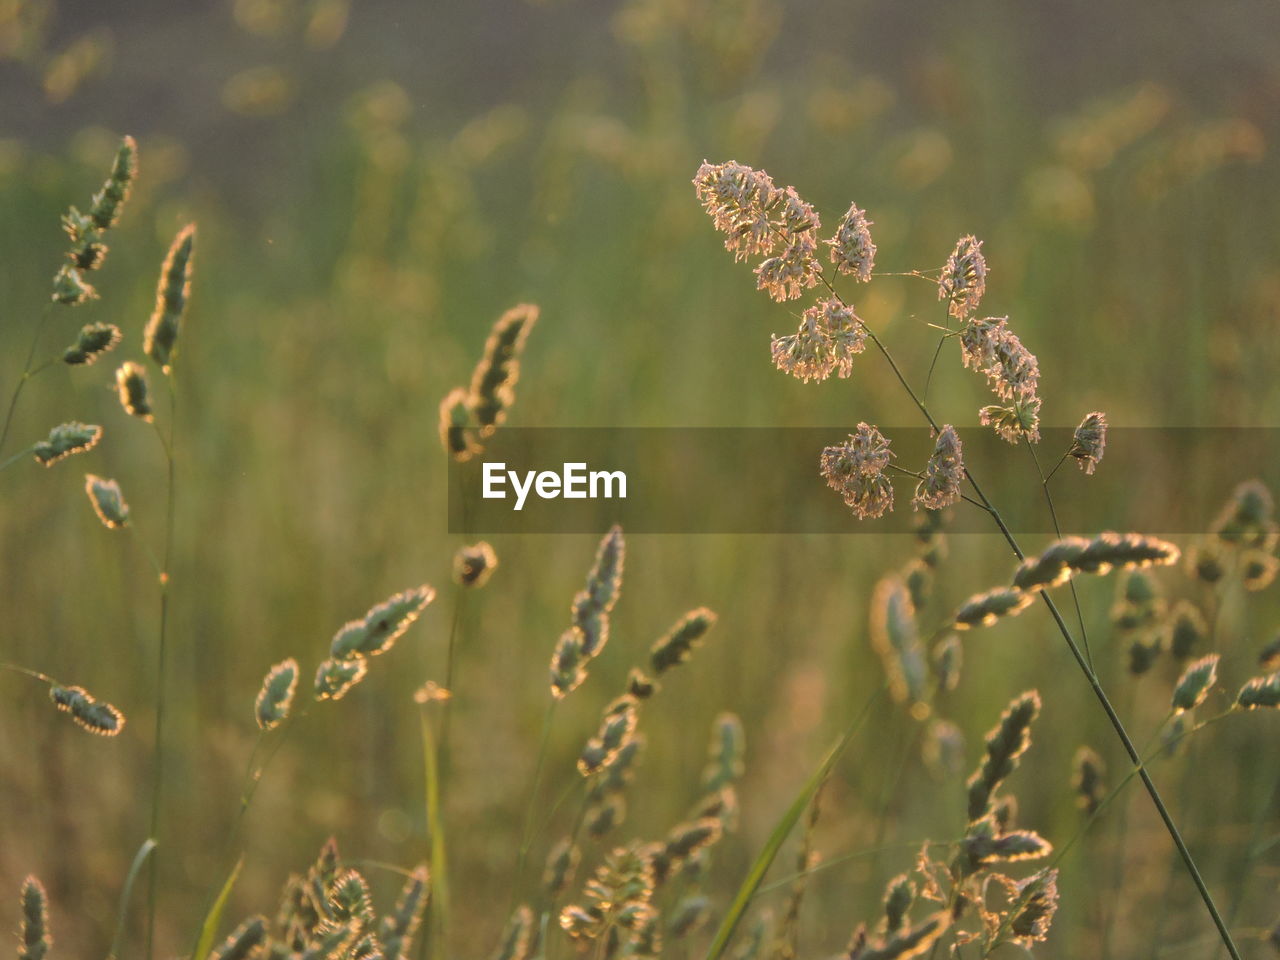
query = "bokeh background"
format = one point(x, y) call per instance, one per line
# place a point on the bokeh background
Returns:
point(376, 182)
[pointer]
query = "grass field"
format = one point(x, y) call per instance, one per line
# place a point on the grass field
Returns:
point(373, 188)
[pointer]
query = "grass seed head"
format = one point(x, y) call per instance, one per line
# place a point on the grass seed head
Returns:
point(131, 385)
point(1195, 683)
point(964, 278)
point(1260, 692)
point(855, 470)
point(1186, 629)
point(943, 473)
point(1088, 779)
point(457, 434)
point(161, 334)
point(898, 897)
point(107, 202)
point(562, 865)
point(1037, 899)
point(517, 939)
point(335, 678)
point(690, 915)
point(984, 609)
point(399, 926)
point(243, 942)
point(568, 664)
point(830, 335)
point(474, 565)
point(34, 938)
point(493, 383)
point(65, 440)
point(276, 696)
point(895, 637)
point(852, 249)
point(70, 287)
point(1005, 744)
point(676, 646)
point(107, 501)
point(1089, 442)
point(94, 340)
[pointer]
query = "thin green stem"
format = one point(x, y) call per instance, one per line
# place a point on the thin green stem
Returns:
point(1057, 529)
point(1094, 684)
point(27, 374)
point(526, 834)
point(437, 920)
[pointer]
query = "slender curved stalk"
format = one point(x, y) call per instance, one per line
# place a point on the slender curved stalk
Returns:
point(436, 927)
point(135, 868)
point(1094, 684)
point(27, 373)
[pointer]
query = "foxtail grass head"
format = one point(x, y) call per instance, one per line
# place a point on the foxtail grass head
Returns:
point(1005, 745)
point(494, 381)
point(276, 696)
point(65, 440)
point(896, 639)
point(335, 678)
point(93, 715)
point(474, 565)
point(134, 393)
point(676, 646)
point(107, 501)
point(34, 938)
point(107, 202)
point(161, 334)
point(94, 340)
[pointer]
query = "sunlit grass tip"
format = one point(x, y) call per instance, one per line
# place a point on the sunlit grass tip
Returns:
point(276, 696)
point(34, 938)
point(65, 440)
point(172, 293)
point(93, 715)
point(107, 501)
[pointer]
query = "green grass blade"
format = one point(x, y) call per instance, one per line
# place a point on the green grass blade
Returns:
point(755, 876)
point(209, 929)
point(135, 868)
point(438, 907)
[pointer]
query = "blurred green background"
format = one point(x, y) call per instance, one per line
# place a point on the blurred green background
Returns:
point(375, 183)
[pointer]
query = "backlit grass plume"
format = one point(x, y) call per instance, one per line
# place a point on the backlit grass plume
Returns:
point(943, 473)
point(589, 615)
point(335, 678)
point(86, 231)
point(243, 942)
point(896, 639)
point(963, 281)
point(856, 468)
point(676, 645)
point(1089, 442)
point(1195, 683)
point(94, 340)
point(131, 386)
point(93, 715)
point(107, 501)
point(379, 629)
point(34, 938)
point(276, 696)
point(65, 440)
point(1005, 745)
point(494, 381)
point(161, 334)
point(474, 565)
point(518, 937)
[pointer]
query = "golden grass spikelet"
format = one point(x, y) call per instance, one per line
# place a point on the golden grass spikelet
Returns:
point(493, 383)
point(855, 470)
point(94, 340)
point(984, 609)
point(895, 637)
point(1037, 900)
point(987, 843)
point(243, 942)
point(1258, 569)
point(964, 277)
point(1186, 629)
point(830, 335)
point(131, 385)
point(899, 894)
point(473, 565)
point(1089, 442)
point(568, 664)
point(1015, 421)
point(725, 753)
point(678, 643)
point(276, 696)
point(686, 840)
point(1005, 744)
point(70, 287)
point(902, 944)
point(852, 249)
point(65, 440)
point(640, 685)
point(989, 347)
point(690, 914)
point(1052, 567)
point(948, 658)
point(161, 334)
point(34, 939)
point(517, 939)
point(105, 207)
point(616, 728)
point(943, 473)
point(349, 898)
point(1260, 692)
point(739, 200)
point(382, 626)
point(561, 866)
point(107, 501)
point(335, 678)
point(1195, 683)
point(87, 247)
point(456, 434)
point(1248, 518)
point(1088, 779)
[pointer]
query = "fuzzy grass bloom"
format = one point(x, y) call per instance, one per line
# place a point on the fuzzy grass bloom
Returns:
point(896, 639)
point(759, 219)
point(494, 380)
point(161, 334)
point(457, 436)
point(474, 565)
point(335, 678)
point(1013, 422)
point(964, 278)
point(131, 385)
point(94, 340)
point(1005, 745)
point(568, 664)
point(1088, 780)
point(852, 250)
point(1037, 899)
point(70, 287)
point(382, 626)
point(984, 609)
point(678, 643)
point(855, 470)
point(943, 474)
point(989, 347)
point(1186, 629)
point(243, 942)
point(397, 929)
point(617, 726)
point(1195, 683)
point(276, 696)
point(107, 501)
point(104, 210)
point(1260, 692)
point(65, 440)
point(93, 715)
point(34, 939)
point(1090, 441)
point(829, 336)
